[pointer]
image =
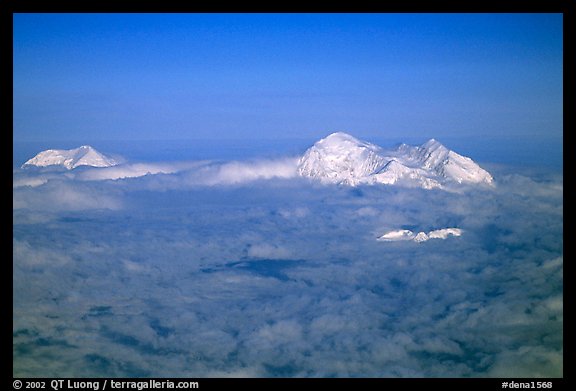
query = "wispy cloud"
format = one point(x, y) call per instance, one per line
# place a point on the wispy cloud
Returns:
point(60, 195)
point(242, 269)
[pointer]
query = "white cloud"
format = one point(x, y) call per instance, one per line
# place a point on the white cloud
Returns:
point(210, 271)
point(61, 195)
point(29, 256)
point(241, 172)
point(32, 182)
point(528, 362)
point(170, 175)
point(269, 251)
point(128, 171)
point(280, 333)
point(367, 211)
point(294, 213)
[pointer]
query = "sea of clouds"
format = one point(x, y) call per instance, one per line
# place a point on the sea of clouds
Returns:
point(241, 268)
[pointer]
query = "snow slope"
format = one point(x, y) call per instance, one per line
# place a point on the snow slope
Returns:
point(341, 158)
point(71, 158)
point(406, 234)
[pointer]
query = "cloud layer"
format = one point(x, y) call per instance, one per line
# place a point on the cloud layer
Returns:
point(240, 269)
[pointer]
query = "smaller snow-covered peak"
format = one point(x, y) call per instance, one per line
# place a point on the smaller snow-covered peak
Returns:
point(406, 234)
point(432, 144)
point(432, 153)
point(86, 148)
point(421, 237)
point(450, 165)
point(84, 155)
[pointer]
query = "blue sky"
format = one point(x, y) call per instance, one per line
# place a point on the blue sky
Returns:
point(205, 254)
point(84, 77)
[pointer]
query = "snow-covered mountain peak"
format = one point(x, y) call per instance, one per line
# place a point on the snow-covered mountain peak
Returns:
point(84, 155)
point(436, 157)
point(340, 139)
point(433, 144)
point(341, 158)
point(343, 143)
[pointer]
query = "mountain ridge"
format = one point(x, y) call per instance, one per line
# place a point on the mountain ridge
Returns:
point(338, 158)
point(342, 159)
point(84, 155)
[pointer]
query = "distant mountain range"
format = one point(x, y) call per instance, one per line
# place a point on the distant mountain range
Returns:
point(406, 234)
point(340, 159)
point(71, 158)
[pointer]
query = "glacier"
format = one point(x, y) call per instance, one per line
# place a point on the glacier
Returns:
point(342, 159)
point(71, 158)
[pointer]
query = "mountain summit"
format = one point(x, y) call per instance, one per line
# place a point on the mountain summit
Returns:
point(71, 158)
point(343, 159)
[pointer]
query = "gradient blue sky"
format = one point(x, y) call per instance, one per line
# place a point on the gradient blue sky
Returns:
point(274, 76)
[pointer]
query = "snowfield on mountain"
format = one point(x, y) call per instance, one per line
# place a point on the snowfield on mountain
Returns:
point(71, 158)
point(340, 158)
